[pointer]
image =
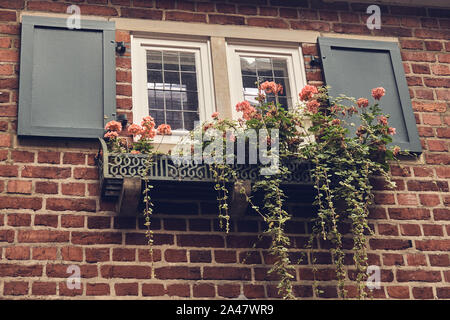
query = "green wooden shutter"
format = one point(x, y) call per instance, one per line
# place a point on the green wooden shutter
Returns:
point(67, 78)
point(354, 67)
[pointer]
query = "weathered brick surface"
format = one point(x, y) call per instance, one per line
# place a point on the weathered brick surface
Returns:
point(51, 215)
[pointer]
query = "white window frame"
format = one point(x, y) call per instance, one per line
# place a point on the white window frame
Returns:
point(205, 85)
point(295, 66)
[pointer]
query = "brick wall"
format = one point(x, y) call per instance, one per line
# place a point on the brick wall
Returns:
point(51, 215)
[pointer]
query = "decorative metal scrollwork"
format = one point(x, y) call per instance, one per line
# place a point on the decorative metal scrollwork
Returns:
point(114, 166)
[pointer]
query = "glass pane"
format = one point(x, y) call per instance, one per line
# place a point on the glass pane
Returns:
point(154, 59)
point(154, 79)
point(156, 99)
point(158, 115)
point(280, 67)
point(171, 80)
point(191, 102)
point(249, 82)
point(174, 119)
point(170, 59)
point(264, 67)
point(189, 120)
point(187, 61)
point(248, 66)
point(189, 81)
point(175, 100)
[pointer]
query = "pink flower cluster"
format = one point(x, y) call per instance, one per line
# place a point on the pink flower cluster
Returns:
point(271, 87)
point(113, 127)
point(308, 92)
point(378, 93)
point(164, 130)
point(248, 110)
point(362, 102)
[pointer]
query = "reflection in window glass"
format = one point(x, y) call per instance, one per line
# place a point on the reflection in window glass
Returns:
point(172, 88)
point(256, 70)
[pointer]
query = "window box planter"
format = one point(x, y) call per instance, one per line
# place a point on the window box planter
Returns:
point(121, 174)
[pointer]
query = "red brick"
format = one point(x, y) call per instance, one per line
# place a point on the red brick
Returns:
point(125, 272)
point(15, 288)
point(252, 291)
point(19, 186)
point(74, 158)
point(72, 292)
point(174, 255)
point(126, 289)
point(48, 220)
point(72, 253)
point(35, 236)
point(416, 259)
point(185, 16)
point(46, 187)
point(49, 157)
point(44, 253)
point(62, 271)
point(141, 13)
point(46, 172)
point(73, 189)
point(8, 171)
point(226, 273)
point(389, 244)
point(267, 23)
point(88, 238)
point(422, 293)
point(203, 290)
point(398, 292)
point(429, 200)
point(152, 290)
point(433, 245)
point(20, 203)
point(439, 260)
point(122, 254)
point(444, 57)
point(443, 292)
point(41, 288)
point(437, 82)
point(310, 25)
point(57, 204)
point(123, 36)
point(410, 230)
point(411, 44)
point(392, 259)
point(85, 173)
point(388, 229)
point(407, 199)
point(178, 272)
point(226, 19)
point(19, 219)
point(441, 214)
point(409, 213)
point(97, 289)
point(186, 240)
point(429, 106)
point(179, 290)
point(229, 290)
point(421, 275)
point(13, 270)
point(17, 253)
point(97, 254)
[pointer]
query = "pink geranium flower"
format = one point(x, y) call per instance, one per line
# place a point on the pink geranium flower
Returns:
point(313, 106)
point(362, 102)
point(164, 129)
point(377, 93)
point(114, 126)
point(308, 92)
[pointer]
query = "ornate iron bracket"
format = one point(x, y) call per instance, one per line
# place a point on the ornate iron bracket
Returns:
point(121, 173)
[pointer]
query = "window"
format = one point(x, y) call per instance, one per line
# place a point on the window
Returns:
point(249, 66)
point(172, 82)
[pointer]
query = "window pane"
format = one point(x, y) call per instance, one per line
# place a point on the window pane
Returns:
point(154, 60)
point(189, 120)
point(187, 61)
point(174, 118)
point(256, 70)
point(248, 66)
point(158, 115)
point(170, 60)
point(172, 87)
